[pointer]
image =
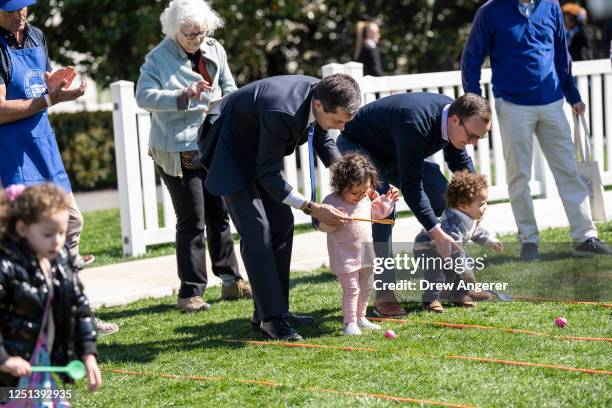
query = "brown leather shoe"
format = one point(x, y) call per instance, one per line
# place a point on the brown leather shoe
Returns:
point(479, 296)
point(192, 304)
point(434, 306)
point(465, 301)
point(239, 290)
point(389, 309)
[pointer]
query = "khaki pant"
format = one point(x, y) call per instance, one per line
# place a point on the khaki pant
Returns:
point(75, 226)
point(518, 124)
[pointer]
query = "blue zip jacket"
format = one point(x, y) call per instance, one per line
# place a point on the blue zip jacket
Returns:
point(529, 58)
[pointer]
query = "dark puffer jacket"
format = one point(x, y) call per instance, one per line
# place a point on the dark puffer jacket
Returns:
point(23, 295)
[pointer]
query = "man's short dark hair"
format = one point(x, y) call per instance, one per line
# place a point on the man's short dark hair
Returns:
point(338, 91)
point(471, 104)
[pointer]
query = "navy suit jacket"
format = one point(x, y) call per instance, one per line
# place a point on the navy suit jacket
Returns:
point(406, 129)
point(245, 137)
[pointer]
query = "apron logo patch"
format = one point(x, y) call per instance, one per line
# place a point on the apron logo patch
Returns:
point(34, 83)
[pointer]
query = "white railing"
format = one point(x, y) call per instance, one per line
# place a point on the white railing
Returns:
point(136, 176)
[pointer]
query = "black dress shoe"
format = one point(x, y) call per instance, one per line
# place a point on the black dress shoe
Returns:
point(278, 329)
point(297, 319)
point(255, 325)
point(290, 317)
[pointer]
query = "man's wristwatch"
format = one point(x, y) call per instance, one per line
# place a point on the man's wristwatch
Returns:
point(308, 208)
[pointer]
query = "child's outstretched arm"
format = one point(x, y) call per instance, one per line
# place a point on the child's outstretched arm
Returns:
point(382, 205)
point(496, 245)
point(15, 366)
point(85, 340)
point(487, 238)
point(93, 372)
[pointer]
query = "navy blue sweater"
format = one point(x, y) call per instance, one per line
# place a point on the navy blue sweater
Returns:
point(406, 129)
point(529, 58)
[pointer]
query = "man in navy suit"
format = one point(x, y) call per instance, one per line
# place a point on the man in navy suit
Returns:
point(243, 141)
point(399, 133)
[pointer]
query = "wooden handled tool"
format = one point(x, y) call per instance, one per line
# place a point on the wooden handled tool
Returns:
point(385, 221)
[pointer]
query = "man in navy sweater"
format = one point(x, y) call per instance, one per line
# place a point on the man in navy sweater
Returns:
point(400, 133)
point(525, 41)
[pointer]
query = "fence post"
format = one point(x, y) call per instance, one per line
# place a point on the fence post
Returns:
point(128, 167)
point(331, 69)
point(354, 69)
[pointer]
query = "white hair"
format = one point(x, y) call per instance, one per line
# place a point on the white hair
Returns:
point(181, 12)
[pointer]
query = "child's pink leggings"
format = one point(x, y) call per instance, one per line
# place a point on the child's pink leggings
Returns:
point(356, 288)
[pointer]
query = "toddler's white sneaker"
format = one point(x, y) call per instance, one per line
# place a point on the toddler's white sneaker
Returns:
point(351, 329)
point(366, 324)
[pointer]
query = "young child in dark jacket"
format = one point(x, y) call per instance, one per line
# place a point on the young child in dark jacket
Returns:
point(467, 195)
point(45, 317)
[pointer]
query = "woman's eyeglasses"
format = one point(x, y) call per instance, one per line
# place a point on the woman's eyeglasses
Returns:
point(193, 36)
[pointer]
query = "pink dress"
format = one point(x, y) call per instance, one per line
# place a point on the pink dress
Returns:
point(344, 244)
point(349, 259)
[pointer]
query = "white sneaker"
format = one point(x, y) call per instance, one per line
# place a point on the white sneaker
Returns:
point(351, 329)
point(366, 324)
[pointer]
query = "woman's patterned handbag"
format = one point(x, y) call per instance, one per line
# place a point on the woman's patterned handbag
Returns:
point(191, 160)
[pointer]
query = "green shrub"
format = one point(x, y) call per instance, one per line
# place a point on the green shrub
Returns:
point(86, 143)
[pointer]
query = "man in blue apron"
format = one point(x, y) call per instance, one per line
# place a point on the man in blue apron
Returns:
point(28, 148)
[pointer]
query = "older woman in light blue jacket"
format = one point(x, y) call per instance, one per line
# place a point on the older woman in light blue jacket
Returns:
point(180, 78)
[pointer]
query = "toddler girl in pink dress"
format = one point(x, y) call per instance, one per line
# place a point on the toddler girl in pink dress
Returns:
point(354, 180)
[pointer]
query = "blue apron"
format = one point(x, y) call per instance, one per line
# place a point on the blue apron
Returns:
point(28, 148)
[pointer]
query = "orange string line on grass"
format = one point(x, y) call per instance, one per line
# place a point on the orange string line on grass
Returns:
point(480, 327)
point(573, 302)
point(273, 384)
point(474, 358)
point(530, 364)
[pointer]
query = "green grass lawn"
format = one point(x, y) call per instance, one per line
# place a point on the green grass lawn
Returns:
point(157, 339)
point(102, 237)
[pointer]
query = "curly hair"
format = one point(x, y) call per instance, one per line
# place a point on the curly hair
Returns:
point(181, 12)
point(464, 187)
point(35, 203)
point(353, 169)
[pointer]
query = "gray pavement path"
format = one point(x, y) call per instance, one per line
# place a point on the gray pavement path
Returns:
point(97, 200)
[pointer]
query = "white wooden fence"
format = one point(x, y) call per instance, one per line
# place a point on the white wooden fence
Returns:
point(136, 176)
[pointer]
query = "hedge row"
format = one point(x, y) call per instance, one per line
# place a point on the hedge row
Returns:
point(86, 144)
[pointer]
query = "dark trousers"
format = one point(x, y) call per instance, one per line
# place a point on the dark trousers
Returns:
point(434, 184)
point(265, 226)
point(197, 212)
point(435, 274)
